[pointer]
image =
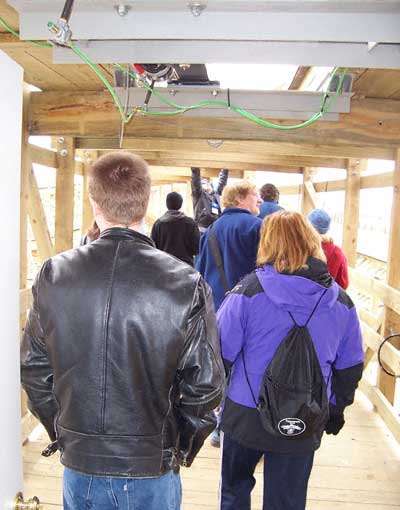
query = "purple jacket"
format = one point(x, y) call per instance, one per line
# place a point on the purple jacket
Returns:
point(254, 318)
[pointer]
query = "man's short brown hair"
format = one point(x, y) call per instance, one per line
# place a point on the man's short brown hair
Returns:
point(269, 192)
point(120, 183)
point(235, 192)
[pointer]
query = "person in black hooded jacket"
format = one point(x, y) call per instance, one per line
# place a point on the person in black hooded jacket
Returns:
point(206, 200)
point(176, 233)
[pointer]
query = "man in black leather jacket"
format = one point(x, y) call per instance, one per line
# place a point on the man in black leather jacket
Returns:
point(120, 358)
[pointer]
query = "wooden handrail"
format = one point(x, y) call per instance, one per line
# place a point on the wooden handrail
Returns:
point(383, 406)
point(389, 354)
point(363, 282)
point(368, 181)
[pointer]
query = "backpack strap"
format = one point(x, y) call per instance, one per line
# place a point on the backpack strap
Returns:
point(216, 253)
point(247, 379)
point(295, 323)
point(312, 313)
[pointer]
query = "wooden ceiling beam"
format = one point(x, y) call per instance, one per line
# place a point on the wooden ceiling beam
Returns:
point(300, 77)
point(184, 160)
point(369, 130)
point(238, 161)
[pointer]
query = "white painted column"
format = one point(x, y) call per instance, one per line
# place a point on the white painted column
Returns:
point(11, 93)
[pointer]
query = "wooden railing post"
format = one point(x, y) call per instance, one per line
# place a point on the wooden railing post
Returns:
point(391, 322)
point(65, 194)
point(87, 213)
point(308, 198)
point(38, 220)
point(351, 211)
point(189, 200)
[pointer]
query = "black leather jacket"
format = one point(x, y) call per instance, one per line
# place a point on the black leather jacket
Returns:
point(120, 357)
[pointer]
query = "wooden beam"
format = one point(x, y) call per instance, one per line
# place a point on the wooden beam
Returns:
point(25, 300)
point(389, 354)
point(369, 181)
point(268, 164)
point(189, 200)
point(236, 147)
point(186, 161)
point(369, 131)
point(372, 287)
point(383, 406)
point(168, 178)
point(87, 212)
point(372, 320)
point(41, 156)
point(307, 203)
point(65, 194)
point(393, 268)
point(258, 158)
point(391, 325)
point(300, 77)
point(377, 181)
point(351, 211)
point(38, 220)
point(312, 195)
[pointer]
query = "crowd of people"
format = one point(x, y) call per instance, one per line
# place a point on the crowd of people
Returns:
point(136, 349)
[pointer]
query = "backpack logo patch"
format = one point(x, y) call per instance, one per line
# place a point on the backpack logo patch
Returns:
point(291, 426)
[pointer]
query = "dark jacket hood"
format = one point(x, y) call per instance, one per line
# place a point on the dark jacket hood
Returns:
point(171, 216)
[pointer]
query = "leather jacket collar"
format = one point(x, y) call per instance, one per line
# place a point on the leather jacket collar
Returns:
point(120, 233)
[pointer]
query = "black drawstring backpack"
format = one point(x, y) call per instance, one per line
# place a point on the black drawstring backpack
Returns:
point(293, 401)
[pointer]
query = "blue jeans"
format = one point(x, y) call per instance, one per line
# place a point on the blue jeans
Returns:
point(86, 492)
point(285, 477)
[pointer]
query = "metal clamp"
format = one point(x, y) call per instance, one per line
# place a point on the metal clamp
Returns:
point(31, 504)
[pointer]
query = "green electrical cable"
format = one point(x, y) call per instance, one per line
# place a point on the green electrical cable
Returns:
point(13, 32)
point(180, 109)
point(82, 56)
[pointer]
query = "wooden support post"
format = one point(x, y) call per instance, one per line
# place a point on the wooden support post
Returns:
point(189, 200)
point(65, 194)
point(308, 198)
point(38, 220)
point(87, 213)
point(249, 175)
point(391, 324)
point(352, 210)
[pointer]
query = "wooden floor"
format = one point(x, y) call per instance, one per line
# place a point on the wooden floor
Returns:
point(357, 470)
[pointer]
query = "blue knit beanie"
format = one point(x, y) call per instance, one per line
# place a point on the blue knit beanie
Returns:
point(320, 220)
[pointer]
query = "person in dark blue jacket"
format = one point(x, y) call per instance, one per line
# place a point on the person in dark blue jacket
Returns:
point(253, 320)
point(237, 234)
point(270, 195)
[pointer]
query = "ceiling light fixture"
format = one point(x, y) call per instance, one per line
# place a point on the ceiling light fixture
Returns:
point(196, 8)
point(122, 9)
point(215, 143)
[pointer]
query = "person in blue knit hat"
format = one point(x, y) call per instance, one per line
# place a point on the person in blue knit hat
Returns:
point(335, 258)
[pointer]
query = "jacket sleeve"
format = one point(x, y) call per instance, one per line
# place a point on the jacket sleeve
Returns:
point(348, 366)
point(201, 375)
point(36, 371)
point(343, 276)
point(222, 180)
point(196, 183)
